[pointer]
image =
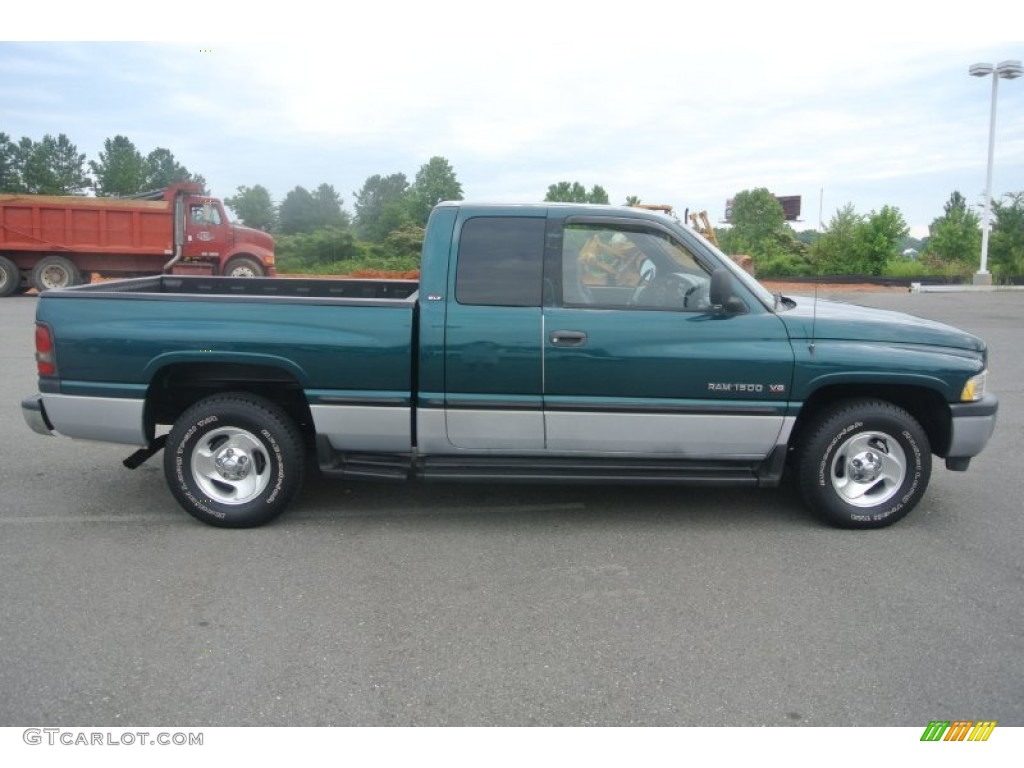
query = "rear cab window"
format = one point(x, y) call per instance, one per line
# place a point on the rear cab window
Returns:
point(500, 262)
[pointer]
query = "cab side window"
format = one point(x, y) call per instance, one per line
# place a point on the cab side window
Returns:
point(204, 213)
point(610, 266)
point(500, 262)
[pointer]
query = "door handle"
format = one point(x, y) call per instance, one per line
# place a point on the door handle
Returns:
point(568, 338)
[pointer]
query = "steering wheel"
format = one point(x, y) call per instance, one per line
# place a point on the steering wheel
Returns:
point(674, 291)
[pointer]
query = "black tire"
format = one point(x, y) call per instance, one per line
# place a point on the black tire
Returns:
point(52, 272)
point(234, 460)
point(864, 464)
point(10, 277)
point(243, 266)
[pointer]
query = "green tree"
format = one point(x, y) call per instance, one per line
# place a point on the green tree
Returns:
point(315, 249)
point(396, 214)
point(162, 170)
point(405, 242)
point(956, 235)
point(328, 207)
point(253, 207)
point(883, 232)
point(67, 165)
point(298, 211)
point(574, 192)
point(757, 219)
point(379, 204)
point(435, 181)
point(807, 236)
point(632, 200)
point(52, 166)
point(598, 195)
point(759, 230)
point(838, 249)
point(121, 169)
point(854, 244)
point(37, 174)
point(1006, 241)
point(10, 165)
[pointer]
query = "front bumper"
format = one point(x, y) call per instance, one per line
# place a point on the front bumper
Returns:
point(972, 426)
point(34, 413)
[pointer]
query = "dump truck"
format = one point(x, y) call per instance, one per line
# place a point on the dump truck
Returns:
point(51, 242)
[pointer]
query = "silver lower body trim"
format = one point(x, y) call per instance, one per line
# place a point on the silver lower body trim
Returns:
point(712, 436)
point(522, 433)
point(495, 430)
point(106, 419)
point(364, 428)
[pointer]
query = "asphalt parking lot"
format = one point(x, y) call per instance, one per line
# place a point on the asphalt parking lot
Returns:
point(431, 605)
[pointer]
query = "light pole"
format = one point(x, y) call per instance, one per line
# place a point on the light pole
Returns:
point(1007, 70)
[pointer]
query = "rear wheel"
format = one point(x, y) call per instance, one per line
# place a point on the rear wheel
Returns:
point(10, 278)
point(243, 266)
point(864, 464)
point(55, 272)
point(234, 460)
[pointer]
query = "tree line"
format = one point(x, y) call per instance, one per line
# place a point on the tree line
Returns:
point(315, 232)
point(54, 166)
point(875, 243)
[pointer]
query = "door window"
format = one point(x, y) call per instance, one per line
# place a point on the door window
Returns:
point(610, 266)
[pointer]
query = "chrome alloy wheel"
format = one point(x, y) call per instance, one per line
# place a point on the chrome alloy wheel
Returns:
point(868, 469)
point(230, 465)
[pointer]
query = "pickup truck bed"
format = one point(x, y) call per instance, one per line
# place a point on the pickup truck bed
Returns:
point(224, 287)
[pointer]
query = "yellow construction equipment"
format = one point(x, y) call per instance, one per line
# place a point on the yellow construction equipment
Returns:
point(702, 224)
point(699, 221)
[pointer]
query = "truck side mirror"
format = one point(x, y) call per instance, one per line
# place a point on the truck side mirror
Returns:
point(722, 293)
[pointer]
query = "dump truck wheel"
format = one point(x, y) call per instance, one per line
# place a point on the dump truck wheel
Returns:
point(55, 272)
point(10, 278)
point(243, 266)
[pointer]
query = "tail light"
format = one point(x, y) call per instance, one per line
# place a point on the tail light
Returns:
point(46, 363)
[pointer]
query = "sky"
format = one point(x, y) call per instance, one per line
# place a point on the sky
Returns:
point(680, 104)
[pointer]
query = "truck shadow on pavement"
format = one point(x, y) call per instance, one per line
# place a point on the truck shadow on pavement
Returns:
point(325, 499)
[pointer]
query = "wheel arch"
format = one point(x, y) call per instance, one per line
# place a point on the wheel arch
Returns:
point(261, 256)
point(928, 407)
point(176, 386)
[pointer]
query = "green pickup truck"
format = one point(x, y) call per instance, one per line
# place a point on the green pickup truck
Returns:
point(543, 342)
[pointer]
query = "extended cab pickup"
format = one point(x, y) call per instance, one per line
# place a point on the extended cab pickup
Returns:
point(543, 342)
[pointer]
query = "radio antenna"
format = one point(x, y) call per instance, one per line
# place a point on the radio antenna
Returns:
point(814, 318)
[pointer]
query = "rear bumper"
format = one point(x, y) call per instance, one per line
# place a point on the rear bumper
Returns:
point(34, 413)
point(973, 425)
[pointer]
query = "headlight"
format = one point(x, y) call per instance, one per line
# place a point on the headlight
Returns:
point(974, 389)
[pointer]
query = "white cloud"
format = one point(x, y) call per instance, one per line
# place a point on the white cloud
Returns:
point(649, 101)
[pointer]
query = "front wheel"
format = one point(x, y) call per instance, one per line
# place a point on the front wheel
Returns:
point(234, 460)
point(864, 464)
point(243, 266)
